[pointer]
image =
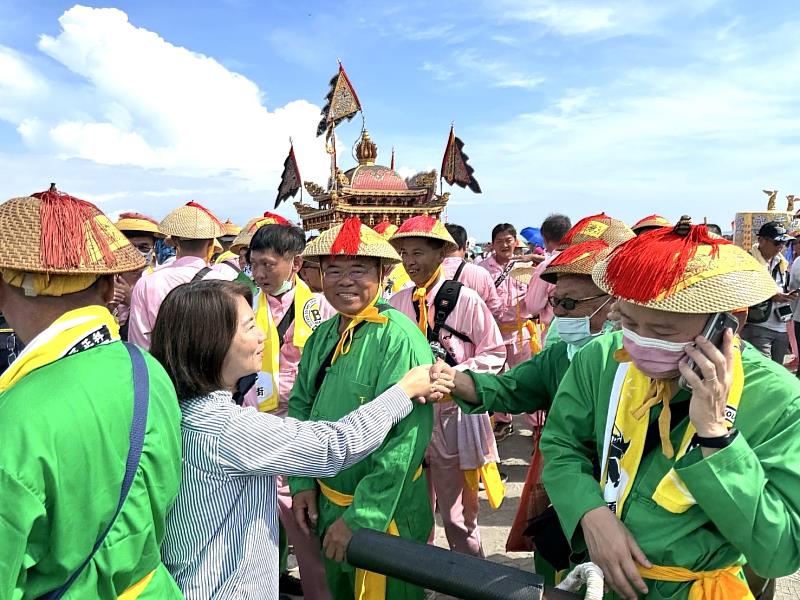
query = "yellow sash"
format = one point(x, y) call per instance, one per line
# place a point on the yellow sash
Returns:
point(75, 330)
point(370, 314)
point(488, 473)
point(625, 435)
point(420, 296)
point(306, 318)
point(137, 588)
point(721, 584)
point(369, 585)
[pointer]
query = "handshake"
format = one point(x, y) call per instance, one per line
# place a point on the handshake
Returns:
point(429, 383)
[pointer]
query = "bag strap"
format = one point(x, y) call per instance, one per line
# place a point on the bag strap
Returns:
point(201, 273)
point(502, 277)
point(141, 399)
point(286, 322)
point(323, 368)
point(460, 268)
point(443, 304)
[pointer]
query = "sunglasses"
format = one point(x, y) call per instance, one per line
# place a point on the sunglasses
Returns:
point(11, 346)
point(571, 303)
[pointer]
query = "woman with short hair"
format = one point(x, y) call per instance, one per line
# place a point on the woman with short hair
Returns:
point(222, 534)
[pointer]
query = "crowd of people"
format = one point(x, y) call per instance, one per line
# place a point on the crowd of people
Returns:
point(184, 402)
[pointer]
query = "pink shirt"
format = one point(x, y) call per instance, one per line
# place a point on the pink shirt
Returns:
point(150, 291)
point(476, 278)
point(289, 357)
point(471, 434)
point(512, 296)
point(539, 293)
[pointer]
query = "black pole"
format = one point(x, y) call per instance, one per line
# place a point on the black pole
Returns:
point(446, 572)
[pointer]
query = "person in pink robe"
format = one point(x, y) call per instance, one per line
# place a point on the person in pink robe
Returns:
point(460, 443)
point(471, 275)
point(274, 256)
point(193, 229)
point(537, 298)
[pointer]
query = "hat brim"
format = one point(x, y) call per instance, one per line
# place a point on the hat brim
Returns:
point(449, 246)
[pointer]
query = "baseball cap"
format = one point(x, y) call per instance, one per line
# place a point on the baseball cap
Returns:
point(775, 231)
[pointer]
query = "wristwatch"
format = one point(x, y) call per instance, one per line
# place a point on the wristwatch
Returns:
point(722, 441)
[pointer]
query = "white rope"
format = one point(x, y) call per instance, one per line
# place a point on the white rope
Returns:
point(588, 574)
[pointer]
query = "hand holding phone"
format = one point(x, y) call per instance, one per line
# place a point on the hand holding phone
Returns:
point(713, 332)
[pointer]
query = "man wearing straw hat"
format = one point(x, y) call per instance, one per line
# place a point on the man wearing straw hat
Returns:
point(696, 476)
point(347, 361)
point(142, 232)
point(193, 229)
point(463, 451)
point(90, 455)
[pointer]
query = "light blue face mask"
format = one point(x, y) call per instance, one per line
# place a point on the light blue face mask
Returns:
point(285, 287)
point(577, 331)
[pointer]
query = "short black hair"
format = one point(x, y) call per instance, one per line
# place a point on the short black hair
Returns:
point(190, 245)
point(713, 228)
point(459, 235)
point(281, 239)
point(191, 352)
point(503, 228)
point(555, 227)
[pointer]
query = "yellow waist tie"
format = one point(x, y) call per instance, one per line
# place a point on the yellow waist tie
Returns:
point(495, 490)
point(369, 585)
point(137, 588)
point(721, 584)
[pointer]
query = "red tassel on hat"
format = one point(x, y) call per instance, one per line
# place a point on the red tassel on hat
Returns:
point(205, 210)
point(421, 223)
point(279, 220)
point(349, 237)
point(573, 253)
point(64, 219)
point(138, 216)
point(578, 228)
point(641, 269)
point(382, 226)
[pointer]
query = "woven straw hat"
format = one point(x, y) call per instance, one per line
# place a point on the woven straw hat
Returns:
point(351, 238)
point(425, 226)
point(231, 229)
point(193, 222)
point(684, 270)
point(386, 228)
point(135, 222)
point(579, 259)
point(54, 233)
point(650, 222)
point(597, 227)
point(243, 238)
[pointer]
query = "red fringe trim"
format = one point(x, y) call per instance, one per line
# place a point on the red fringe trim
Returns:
point(63, 219)
point(578, 227)
point(205, 210)
point(421, 223)
point(278, 219)
point(349, 238)
point(569, 255)
point(382, 226)
point(641, 269)
point(136, 215)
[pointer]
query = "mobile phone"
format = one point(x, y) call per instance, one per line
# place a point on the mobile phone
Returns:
point(713, 332)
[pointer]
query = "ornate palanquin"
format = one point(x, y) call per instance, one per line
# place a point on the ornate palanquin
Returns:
point(372, 192)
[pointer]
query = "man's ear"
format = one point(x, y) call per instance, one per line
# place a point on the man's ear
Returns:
point(105, 286)
point(297, 264)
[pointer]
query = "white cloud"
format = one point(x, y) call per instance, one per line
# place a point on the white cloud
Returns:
point(155, 106)
point(472, 67)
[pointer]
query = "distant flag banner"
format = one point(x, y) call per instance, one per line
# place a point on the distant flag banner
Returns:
point(290, 179)
point(341, 103)
point(455, 168)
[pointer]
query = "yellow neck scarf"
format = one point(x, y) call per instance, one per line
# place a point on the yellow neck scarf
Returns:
point(633, 396)
point(420, 296)
point(369, 314)
point(71, 333)
point(306, 318)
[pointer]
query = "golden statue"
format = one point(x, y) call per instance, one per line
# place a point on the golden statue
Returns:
point(773, 199)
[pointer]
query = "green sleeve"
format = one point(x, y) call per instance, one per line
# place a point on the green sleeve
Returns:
point(751, 494)
point(394, 464)
point(301, 402)
point(21, 512)
point(568, 444)
point(528, 387)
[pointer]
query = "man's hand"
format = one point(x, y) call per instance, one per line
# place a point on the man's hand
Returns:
point(304, 507)
point(784, 298)
point(336, 539)
point(423, 384)
point(613, 549)
point(442, 377)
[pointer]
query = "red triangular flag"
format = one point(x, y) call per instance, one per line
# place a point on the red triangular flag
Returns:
point(455, 169)
point(290, 179)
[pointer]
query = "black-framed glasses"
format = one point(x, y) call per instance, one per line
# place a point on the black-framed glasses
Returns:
point(571, 303)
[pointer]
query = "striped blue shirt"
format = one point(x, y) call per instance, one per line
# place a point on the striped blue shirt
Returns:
point(221, 536)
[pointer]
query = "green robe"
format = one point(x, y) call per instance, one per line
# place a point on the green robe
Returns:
point(528, 387)
point(748, 494)
point(65, 429)
point(383, 484)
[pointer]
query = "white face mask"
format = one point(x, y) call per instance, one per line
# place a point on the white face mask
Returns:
point(577, 331)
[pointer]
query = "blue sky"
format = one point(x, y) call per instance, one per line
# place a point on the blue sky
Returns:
point(579, 106)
